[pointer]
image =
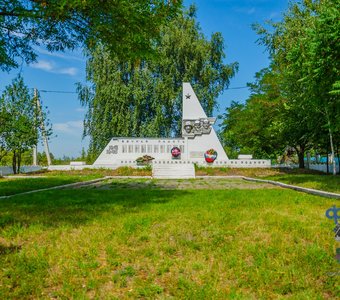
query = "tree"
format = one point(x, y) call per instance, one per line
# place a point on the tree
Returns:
point(144, 98)
point(127, 28)
point(42, 158)
point(19, 129)
point(256, 126)
point(305, 50)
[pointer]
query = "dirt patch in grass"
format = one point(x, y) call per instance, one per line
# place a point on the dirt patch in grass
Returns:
point(200, 171)
point(179, 184)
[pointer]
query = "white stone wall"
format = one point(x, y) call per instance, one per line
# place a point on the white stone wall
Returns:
point(231, 163)
point(125, 151)
point(203, 143)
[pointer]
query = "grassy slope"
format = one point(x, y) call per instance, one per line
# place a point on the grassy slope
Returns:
point(193, 244)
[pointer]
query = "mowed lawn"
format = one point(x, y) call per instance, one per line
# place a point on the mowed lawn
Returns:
point(132, 240)
point(321, 182)
point(13, 185)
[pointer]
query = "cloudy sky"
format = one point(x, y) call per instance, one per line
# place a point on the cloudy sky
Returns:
point(60, 71)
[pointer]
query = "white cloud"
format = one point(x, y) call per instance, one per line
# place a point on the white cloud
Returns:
point(50, 66)
point(274, 14)
point(68, 71)
point(43, 65)
point(70, 127)
point(58, 54)
point(80, 109)
point(245, 10)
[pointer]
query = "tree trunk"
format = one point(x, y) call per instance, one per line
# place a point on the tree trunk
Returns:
point(301, 160)
point(19, 161)
point(14, 162)
point(300, 150)
point(327, 161)
point(337, 155)
point(301, 155)
point(331, 144)
point(332, 152)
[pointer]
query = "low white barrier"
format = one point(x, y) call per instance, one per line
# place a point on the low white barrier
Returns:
point(316, 167)
point(80, 167)
point(24, 169)
point(323, 168)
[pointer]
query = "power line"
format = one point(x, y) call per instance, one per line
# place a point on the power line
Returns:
point(238, 88)
point(58, 92)
point(69, 92)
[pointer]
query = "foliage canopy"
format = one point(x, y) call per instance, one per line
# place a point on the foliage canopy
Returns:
point(20, 123)
point(127, 28)
point(304, 50)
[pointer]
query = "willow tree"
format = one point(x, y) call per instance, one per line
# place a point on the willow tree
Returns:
point(143, 98)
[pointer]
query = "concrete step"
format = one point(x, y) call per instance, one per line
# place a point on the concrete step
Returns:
point(176, 171)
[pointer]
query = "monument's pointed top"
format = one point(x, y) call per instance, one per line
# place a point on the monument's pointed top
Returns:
point(192, 108)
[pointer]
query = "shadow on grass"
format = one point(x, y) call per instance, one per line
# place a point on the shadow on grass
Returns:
point(73, 207)
point(4, 250)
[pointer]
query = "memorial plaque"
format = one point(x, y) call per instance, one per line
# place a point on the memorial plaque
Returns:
point(196, 154)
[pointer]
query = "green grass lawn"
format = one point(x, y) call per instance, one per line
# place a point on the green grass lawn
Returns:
point(13, 185)
point(10, 186)
point(48, 179)
point(325, 182)
point(144, 242)
point(301, 177)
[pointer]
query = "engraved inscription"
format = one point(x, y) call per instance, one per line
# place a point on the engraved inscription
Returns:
point(112, 150)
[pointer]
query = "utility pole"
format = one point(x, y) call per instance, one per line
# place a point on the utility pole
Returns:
point(35, 152)
point(42, 127)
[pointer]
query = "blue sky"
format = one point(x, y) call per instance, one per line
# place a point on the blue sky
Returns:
point(60, 71)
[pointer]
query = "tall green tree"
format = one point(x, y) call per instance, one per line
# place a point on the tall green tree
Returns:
point(305, 50)
point(127, 28)
point(256, 126)
point(144, 98)
point(20, 122)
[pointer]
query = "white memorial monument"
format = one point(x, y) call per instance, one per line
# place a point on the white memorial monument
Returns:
point(173, 157)
point(198, 137)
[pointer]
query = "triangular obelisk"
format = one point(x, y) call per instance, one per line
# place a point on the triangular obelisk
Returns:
point(192, 108)
point(197, 128)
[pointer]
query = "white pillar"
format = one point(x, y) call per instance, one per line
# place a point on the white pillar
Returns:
point(35, 154)
point(42, 127)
